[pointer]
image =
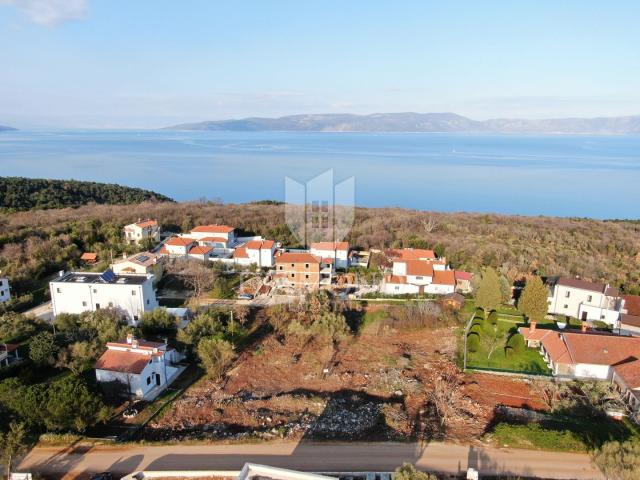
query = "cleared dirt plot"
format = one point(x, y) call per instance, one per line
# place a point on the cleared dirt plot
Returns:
point(391, 376)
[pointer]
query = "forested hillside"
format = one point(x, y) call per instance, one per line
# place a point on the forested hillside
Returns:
point(38, 243)
point(18, 193)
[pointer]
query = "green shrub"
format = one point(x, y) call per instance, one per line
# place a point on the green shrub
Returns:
point(493, 318)
point(516, 343)
point(480, 313)
point(473, 342)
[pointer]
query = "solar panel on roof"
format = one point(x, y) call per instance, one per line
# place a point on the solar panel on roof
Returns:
point(142, 258)
point(108, 276)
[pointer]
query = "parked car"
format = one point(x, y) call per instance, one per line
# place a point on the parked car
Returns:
point(245, 296)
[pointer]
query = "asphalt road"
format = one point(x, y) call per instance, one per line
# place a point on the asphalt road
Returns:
point(308, 456)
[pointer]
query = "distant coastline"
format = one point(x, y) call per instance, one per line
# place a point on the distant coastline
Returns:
point(420, 123)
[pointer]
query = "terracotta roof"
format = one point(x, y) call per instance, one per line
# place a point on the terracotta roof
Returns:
point(330, 245)
point(259, 244)
point(199, 250)
point(290, 257)
point(213, 239)
point(164, 250)
point(419, 268)
point(444, 277)
point(398, 279)
point(630, 320)
point(147, 223)
point(632, 304)
point(121, 361)
point(180, 241)
point(89, 256)
point(327, 260)
point(215, 228)
point(240, 252)
point(602, 349)
point(413, 254)
point(629, 372)
point(463, 275)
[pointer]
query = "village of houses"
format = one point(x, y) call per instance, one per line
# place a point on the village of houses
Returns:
point(129, 286)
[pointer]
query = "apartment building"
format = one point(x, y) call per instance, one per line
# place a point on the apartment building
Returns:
point(304, 270)
point(338, 251)
point(142, 230)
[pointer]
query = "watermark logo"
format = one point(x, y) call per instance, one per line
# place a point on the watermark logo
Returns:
point(319, 211)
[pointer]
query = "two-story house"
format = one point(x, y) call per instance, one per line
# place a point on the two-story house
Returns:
point(256, 252)
point(303, 270)
point(77, 292)
point(338, 251)
point(577, 298)
point(142, 230)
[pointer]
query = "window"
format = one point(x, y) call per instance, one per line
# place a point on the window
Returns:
point(58, 290)
point(293, 275)
point(84, 304)
point(135, 318)
point(293, 265)
point(397, 288)
point(566, 306)
point(147, 301)
point(589, 298)
point(601, 317)
point(306, 265)
point(148, 380)
point(133, 292)
point(97, 306)
point(281, 267)
point(95, 291)
point(306, 276)
point(418, 278)
point(567, 294)
point(110, 304)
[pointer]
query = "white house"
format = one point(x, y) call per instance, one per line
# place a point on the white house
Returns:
point(443, 283)
point(178, 246)
point(256, 252)
point(214, 233)
point(412, 275)
point(143, 368)
point(397, 285)
point(584, 300)
point(338, 251)
point(77, 292)
point(142, 230)
point(140, 263)
point(5, 291)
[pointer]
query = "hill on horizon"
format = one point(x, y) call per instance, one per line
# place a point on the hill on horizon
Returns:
point(5, 128)
point(19, 194)
point(420, 122)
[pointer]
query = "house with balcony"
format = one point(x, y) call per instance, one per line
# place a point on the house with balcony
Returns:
point(143, 263)
point(142, 230)
point(584, 300)
point(416, 272)
point(304, 271)
point(256, 252)
point(138, 368)
point(5, 291)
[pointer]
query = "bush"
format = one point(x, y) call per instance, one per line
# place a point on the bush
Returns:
point(215, 355)
point(43, 348)
point(515, 344)
point(619, 460)
point(479, 313)
point(408, 472)
point(493, 318)
point(473, 342)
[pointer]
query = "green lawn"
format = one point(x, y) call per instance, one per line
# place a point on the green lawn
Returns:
point(563, 434)
point(529, 361)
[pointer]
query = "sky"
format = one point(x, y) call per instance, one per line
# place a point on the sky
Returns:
point(153, 63)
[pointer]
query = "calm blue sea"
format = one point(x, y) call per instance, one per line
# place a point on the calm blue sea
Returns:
point(583, 176)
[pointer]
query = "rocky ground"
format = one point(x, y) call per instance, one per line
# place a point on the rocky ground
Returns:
point(377, 385)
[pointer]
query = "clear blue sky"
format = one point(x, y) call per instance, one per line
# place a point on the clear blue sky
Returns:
point(150, 63)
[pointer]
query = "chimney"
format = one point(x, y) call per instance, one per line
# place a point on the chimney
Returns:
point(532, 325)
point(129, 338)
point(583, 326)
point(61, 273)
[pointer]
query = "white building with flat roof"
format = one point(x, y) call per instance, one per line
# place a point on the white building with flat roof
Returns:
point(77, 292)
point(5, 291)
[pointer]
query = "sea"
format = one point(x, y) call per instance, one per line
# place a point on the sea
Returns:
point(556, 175)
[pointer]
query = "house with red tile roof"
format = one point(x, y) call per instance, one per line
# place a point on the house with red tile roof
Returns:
point(141, 230)
point(214, 231)
point(463, 281)
point(258, 252)
point(141, 368)
point(584, 300)
point(89, 257)
point(178, 246)
point(630, 315)
point(303, 271)
point(587, 355)
point(417, 271)
point(338, 251)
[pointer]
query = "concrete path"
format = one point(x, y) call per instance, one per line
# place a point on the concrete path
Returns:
point(308, 456)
